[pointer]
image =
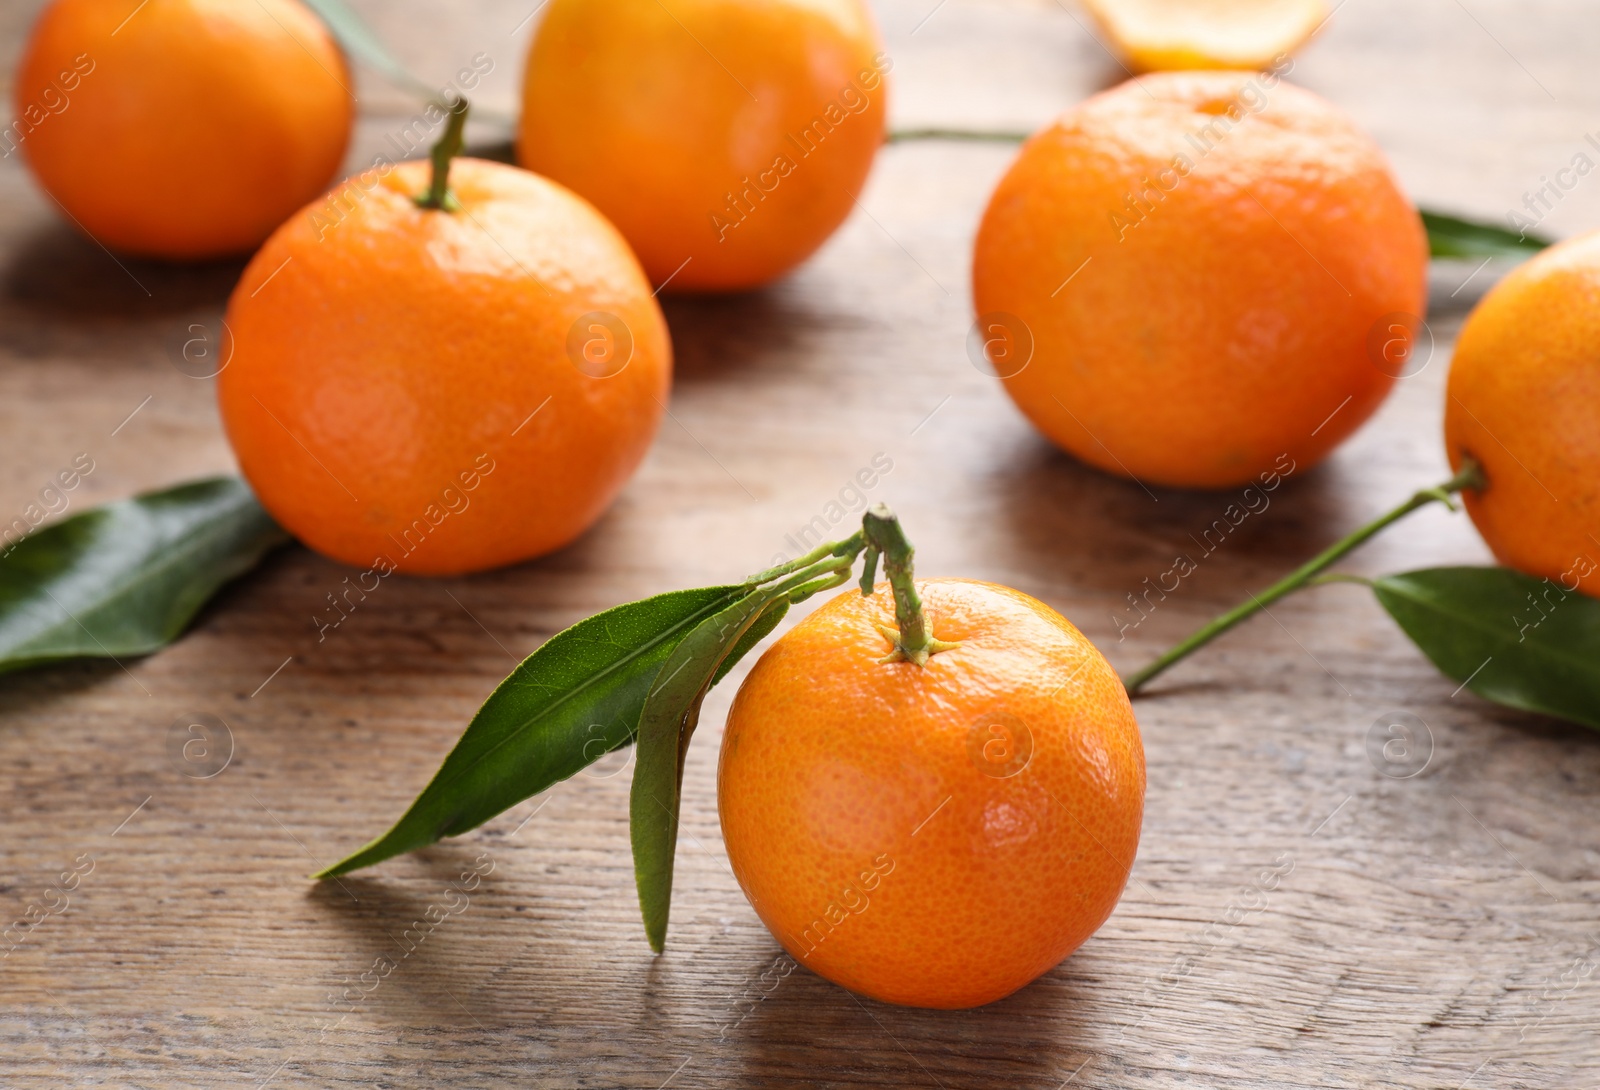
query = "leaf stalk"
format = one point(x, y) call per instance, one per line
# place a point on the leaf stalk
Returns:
point(850, 547)
point(1470, 476)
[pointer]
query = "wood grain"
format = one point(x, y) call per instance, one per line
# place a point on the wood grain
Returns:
point(1436, 931)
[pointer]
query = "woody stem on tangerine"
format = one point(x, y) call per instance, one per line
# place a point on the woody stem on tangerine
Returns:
point(1310, 573)
point(914, 642)
point(445, 149)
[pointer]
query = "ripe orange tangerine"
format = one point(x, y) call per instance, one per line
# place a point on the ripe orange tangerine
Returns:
point(1169, 35)
point(1524, 400)
point(726, 140)
point(441, 390)
point(935, 835)
point(1191, 277)
point(181, 128)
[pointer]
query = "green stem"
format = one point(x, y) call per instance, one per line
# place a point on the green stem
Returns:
point(827, 582)
point(850, 547)
point(829, 572)
point(1338, 577)
point(446, 148)
point(1471, 476)
point(885, 537)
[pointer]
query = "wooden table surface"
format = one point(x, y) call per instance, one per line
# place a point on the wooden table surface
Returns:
point(1432, 931)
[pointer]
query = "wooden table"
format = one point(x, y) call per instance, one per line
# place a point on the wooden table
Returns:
point(1432, 931)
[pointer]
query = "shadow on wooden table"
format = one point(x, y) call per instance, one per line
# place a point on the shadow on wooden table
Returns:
point(1109, 533)
point(33, 693)
point(430, 948)
point(811, 1032)
point(513, 973)
point(717, 337)
point(65, 274)
point(35, 690)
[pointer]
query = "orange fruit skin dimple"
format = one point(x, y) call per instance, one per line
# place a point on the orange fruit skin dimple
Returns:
point(1523, 399)
point(405, 384)
point(1202, 259)
point(932, 836)
point(184, 129)
point(725, 139)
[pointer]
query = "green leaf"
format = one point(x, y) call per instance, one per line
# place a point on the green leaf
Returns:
point(575, 699)
point(665, 726)
point(1519, 641)
point(1452, 236)
point(127, 578)
point(361, 43)
point(756, 633)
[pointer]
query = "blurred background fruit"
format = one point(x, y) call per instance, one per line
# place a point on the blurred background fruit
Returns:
point(440, 391)
point(726, 140)
point(1524, 400)
point(182, 128)
point(1197, 265)
point(1166, 35)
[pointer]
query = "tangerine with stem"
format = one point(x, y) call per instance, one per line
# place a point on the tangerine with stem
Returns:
point(1523, 399)
point(933, 794)
point(440, 378)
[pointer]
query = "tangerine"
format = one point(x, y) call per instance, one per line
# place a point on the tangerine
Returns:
point(181, 128)
point(935, 835)
point(1180, 279)
point(1522, 399)
point(1165, 35)
point(726, 140)
point(439, 391)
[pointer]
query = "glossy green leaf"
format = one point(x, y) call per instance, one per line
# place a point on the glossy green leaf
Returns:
point(1452, 236)
point(127, 578)
point(666, 724)
point(1519, 641)
point(575, 699)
